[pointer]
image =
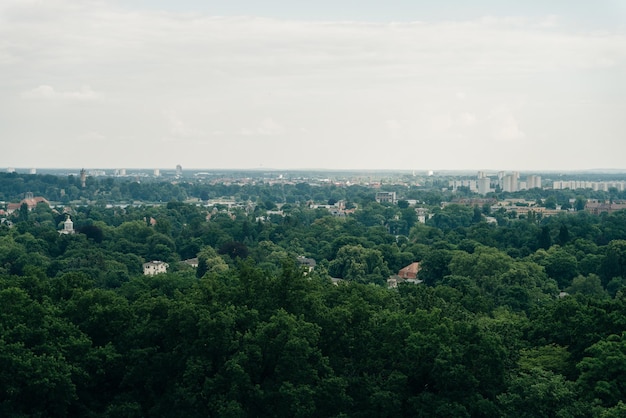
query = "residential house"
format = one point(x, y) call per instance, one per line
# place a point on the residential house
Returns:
point(386, 197)
point(406, 274)
point(154, 267)
point(30, 201)
point(410, 271)
point(307, 263)
point(192, 262)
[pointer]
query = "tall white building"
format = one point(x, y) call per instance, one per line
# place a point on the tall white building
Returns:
point(484, 185)
point(533, 181)
point(509, 182)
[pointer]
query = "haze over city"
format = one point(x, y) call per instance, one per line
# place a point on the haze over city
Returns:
point(333, 85)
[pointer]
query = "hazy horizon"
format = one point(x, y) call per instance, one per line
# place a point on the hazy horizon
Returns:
point(416, 171)
point(321, 86)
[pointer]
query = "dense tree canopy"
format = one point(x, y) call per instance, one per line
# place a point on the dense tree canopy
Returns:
point(520, 318)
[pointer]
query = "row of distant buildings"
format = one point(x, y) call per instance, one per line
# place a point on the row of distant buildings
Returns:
point(507, 182)
point(593, 185)
point(511, 182)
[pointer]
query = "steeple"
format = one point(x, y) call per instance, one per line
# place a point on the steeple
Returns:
point(68, 226)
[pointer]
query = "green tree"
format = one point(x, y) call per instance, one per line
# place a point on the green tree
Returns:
point(603, 370)
point(210, 262)
point(550, 202)
point(614, 262)
point(539, 393)
point(435, 266)
point(356, 263)
point(545, 239)
point(560, 266)
point(587, 285)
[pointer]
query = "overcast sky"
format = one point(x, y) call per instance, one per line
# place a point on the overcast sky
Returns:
point(313, 84)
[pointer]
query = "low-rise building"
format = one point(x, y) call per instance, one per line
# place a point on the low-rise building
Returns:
point(154, 267)
point(191, 262)
point(307, 263)
point(386, 197)
point(597, 207)
point(30, 201)
point(406, 274)
point(410, 271)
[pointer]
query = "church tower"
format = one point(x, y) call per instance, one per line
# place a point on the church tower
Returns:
point(68, 226)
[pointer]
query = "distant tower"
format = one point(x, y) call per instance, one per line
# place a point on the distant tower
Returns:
point(83, 177)
point(179, 171)
point(157, 172)
point(484, 185)
point(68, 227)
point(33, 171)
point(533, 181)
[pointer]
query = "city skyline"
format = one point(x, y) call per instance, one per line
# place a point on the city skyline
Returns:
point(330, 85)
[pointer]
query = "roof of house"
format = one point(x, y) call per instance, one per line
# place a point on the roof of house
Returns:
point(309, 262)
point(410, 271)
point(193, 262)
point(31, 202)
point(155, 263)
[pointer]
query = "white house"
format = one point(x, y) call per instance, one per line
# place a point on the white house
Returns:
point(154, 267)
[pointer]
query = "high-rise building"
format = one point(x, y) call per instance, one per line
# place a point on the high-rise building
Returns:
point(509, 183)
point(533, 181)
point(179, 171)
point(484, 185)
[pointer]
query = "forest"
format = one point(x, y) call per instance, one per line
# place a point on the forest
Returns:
point(520, 318)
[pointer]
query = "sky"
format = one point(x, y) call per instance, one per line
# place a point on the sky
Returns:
point(342, 84)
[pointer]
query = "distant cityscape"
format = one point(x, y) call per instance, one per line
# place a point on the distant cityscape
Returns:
point(511, 182)
point(482, 182)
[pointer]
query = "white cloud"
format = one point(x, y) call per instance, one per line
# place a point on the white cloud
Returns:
point(93, 137)
point(467, 119)
point(346, 83)
point(504, 125)
point(177, 128)
point(46, 92)
point(267, 127)
point(395, 127)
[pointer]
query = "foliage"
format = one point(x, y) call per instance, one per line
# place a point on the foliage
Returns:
point(250, 332)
